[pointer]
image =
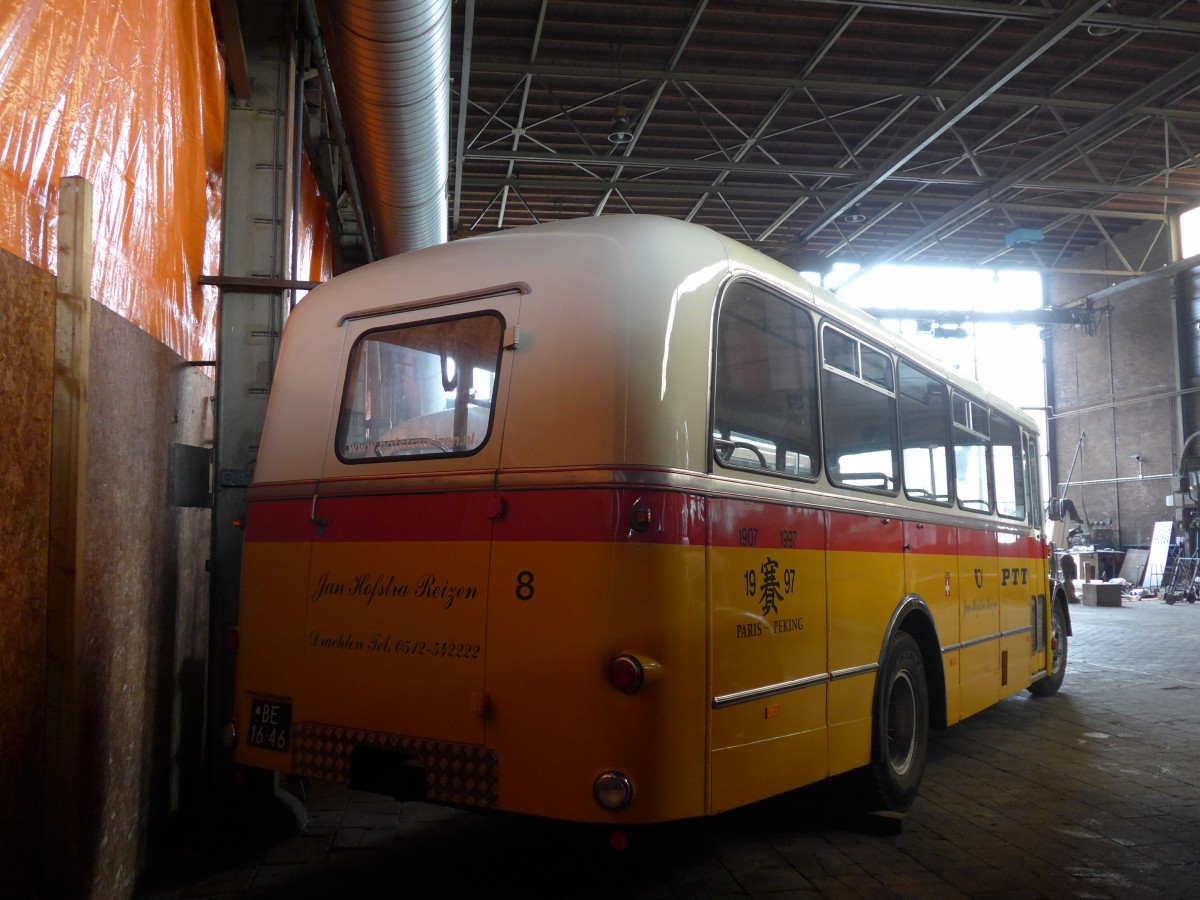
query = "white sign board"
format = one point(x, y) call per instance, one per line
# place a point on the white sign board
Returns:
point(1160, 545)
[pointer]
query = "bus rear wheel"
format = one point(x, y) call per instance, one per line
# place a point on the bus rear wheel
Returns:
point(900, 730)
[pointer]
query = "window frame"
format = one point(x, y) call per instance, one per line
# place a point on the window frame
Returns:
point(969, 426)
point(814, 396)
point(948, 434)
point(827, 326)
point(349, 383)
point(1020, 445)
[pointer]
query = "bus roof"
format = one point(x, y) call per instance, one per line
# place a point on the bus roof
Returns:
point(640, 290)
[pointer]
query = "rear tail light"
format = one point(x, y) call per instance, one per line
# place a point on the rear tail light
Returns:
point(612, 791)
point(629, 671)
point(626, 673)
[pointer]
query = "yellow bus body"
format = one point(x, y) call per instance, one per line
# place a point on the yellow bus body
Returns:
point(458, 612)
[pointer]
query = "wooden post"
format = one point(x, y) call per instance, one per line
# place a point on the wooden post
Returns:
point(62, 844)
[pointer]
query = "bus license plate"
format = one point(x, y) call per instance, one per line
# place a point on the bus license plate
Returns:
point(270, 724)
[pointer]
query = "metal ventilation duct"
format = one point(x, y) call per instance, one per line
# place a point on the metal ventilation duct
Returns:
point(391, 62)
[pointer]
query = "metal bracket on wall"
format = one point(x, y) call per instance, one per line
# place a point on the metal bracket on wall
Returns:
point(191, 478)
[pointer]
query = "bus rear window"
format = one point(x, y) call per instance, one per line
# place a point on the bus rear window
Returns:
point(419, 391)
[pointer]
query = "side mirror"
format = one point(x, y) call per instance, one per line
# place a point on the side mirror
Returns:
point(1054, 510)
point(1190, 482)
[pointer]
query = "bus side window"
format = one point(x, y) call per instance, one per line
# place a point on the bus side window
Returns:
point(970, 454)
point(1034, 491)
point(924, 435)
point(765, 414)
point(1008, 461)
point(859, 404)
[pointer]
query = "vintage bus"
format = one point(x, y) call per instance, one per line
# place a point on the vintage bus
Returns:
point(616, 520)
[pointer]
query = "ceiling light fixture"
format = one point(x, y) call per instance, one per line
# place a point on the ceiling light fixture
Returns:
point(1096, 30)
point(620, 132)
point(854, 215)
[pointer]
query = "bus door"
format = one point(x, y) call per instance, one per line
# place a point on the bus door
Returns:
point(1018, 553)
point(931, 573)
point(769, 661)
point(931, 547)
point(1039, 575)
point(767, 583)
point(979, 603)
point(403, 516)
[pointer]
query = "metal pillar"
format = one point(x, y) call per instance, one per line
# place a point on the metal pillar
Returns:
point(256, 243)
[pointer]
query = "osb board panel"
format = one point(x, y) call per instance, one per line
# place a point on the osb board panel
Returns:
point(145, 624)
point(26, 360)
point(145, 629)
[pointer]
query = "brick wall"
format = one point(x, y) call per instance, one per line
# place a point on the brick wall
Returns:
point(1118, 387)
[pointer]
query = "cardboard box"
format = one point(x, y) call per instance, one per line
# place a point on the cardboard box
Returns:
point(1098, 593)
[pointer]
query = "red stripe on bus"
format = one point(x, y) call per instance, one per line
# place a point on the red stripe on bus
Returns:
point(972, 542)
point(605, 515)
point(864, 533)
point(601, 515)
point(746, 523)
point(594, 515)
point(406, 517)
point(279, 520)
point(931, 540)
point(1021, 546)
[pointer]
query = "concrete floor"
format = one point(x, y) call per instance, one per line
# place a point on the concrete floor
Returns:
point(1094, 793)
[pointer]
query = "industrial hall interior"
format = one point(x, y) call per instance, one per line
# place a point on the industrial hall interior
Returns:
point(593, 447)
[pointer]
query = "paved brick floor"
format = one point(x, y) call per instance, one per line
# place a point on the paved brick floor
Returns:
point(1092, 793)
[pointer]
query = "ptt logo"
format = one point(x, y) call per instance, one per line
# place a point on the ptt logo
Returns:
point(1014, 577)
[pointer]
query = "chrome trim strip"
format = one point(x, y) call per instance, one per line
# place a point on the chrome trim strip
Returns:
point(853, 671)
point(986, 639)
point(975, 642)
point(769, 690)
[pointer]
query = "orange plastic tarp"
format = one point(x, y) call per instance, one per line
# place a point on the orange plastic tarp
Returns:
point(129, 94)
point(314, 256)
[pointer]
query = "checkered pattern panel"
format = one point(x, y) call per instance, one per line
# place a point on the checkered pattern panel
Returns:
point(461, 774)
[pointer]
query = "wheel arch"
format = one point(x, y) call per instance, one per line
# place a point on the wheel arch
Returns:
point(1060, 598)
point(913, 616)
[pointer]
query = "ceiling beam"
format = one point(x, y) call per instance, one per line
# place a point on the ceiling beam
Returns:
point(464, 91)
point(1061, 25)
point(644, 116)
point(819, 85)
point(541, 157)
point(677, 188)
point(1143, 24)
point(1093, 130)
point(519, 129)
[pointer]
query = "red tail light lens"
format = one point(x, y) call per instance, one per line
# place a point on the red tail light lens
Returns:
point(626, 673)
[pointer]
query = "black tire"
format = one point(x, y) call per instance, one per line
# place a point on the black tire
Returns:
point(900, 729)
point(1053, 680)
